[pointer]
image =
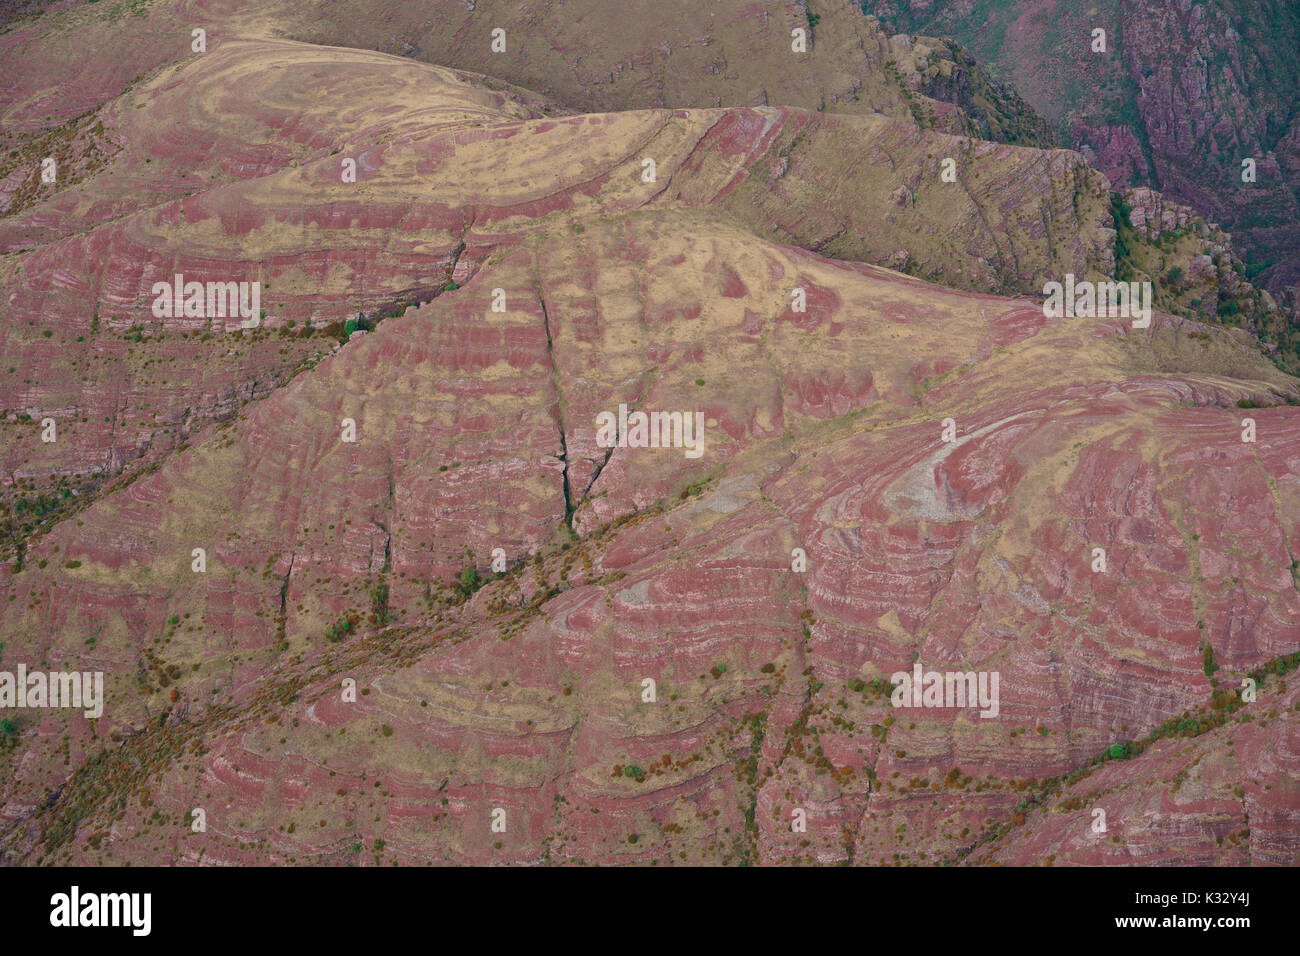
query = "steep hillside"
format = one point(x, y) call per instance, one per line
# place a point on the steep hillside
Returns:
point(267, 200)
point(586, 54)
point(1182, 95)
point(365, 574)
point(822, 431)
point(589, 56)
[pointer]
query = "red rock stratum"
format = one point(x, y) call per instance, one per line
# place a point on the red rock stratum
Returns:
point(891, 472)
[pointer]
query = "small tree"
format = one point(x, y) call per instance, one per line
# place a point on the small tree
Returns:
point(469, 582)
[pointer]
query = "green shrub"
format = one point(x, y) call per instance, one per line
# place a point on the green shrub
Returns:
point(339, 630)
point(468, 581)
point(379, 610)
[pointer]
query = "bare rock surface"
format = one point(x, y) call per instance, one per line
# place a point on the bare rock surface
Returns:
point(358, 596)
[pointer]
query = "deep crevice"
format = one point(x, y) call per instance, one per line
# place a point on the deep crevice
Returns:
point(569, 507)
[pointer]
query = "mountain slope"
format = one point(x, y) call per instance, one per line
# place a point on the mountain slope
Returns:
point(822, 431)
point(1183, 94)
point(266, 200)
point(360, 597)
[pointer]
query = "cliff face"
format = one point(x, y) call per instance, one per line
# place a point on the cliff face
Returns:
point(1182, 95)
point(358, 598)
point(1218, 84)
point(1195, 270)
point(945, 73)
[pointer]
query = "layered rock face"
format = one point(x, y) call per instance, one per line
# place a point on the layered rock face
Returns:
point(1195, 270)
point(592, 57)
point(266, 201)
point(822, 432)
point(589, 54)
point(1222, 89)
point(1182, 95)
point(403, 600)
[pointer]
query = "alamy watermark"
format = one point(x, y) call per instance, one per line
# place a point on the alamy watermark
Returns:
point(923, 688)
point(1086, 299)
point(84, 689)
point(651, 430)
point(75, 909)
point(211, 300)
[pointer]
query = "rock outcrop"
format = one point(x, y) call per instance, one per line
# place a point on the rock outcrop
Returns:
point(399, 598)
point(266, 201)
point(1182, 95)
point(823, 432)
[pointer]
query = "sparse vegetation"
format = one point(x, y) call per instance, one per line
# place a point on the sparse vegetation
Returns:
point(468, 581)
